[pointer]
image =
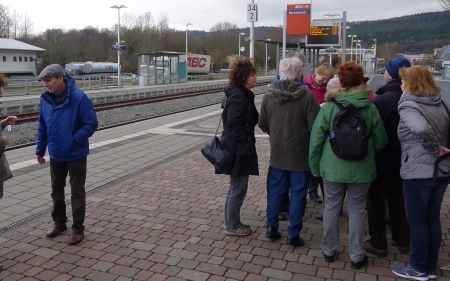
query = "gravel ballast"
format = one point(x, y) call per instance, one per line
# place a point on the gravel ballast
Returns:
point(26, 133)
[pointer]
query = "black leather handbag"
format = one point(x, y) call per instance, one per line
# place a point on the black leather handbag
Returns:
point(217, 154)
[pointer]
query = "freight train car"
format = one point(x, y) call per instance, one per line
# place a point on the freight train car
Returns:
point(90, 67)
point(197, 64)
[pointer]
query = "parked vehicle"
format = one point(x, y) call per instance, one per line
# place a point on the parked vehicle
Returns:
point(381, 71)
point(91, 67)
point(198, 64)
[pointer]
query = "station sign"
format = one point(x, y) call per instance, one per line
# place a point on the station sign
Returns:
point(373, 60)
point(298, 19)
point(252, 12)
point(118, 47)
point(324, 34)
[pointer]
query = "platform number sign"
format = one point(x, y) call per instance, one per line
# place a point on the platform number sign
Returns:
point(252, 12)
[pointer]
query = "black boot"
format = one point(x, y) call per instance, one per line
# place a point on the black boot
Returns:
point(314, 195)
point(295, 241)
point(272, 233)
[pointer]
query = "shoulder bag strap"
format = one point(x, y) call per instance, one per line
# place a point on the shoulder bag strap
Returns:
point(221, 115)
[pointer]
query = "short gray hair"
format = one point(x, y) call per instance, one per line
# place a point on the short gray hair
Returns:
point(333, 84)
point(291, 69)
point(298, 55)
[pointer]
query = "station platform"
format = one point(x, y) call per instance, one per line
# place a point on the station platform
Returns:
point(155, 212)
point(18, 104)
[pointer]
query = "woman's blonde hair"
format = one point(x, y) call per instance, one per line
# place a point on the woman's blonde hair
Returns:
point(325, 70)
point(419, 81)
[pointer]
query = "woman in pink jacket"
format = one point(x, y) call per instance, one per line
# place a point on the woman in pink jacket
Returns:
point(317, 84)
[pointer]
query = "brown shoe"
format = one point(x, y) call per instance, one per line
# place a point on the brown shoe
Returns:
point(282, 217)
point(374, 251)
point(55, 231)
point(75, 238)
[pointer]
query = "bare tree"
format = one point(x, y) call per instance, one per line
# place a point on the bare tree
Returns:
point(26, 28)
point(5, 22)
point(445, 4)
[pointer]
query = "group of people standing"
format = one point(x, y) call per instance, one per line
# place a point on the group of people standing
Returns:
point(407, 125)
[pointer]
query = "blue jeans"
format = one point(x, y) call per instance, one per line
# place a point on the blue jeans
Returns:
point(235, 199)
point(279, 185)
point(423, 199)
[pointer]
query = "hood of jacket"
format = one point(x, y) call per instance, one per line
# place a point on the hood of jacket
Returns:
point(358, 96)
point(392, 86)
point(431, 100)
point(286, 90)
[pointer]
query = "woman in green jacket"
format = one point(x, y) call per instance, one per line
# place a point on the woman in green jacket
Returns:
point(351, 176)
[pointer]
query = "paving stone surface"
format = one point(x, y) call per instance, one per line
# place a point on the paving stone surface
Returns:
point(166, 223)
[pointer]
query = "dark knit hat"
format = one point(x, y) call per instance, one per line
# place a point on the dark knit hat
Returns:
point(394, 65)
point(52, 70)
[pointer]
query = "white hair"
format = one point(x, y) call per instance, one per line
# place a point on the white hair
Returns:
point(291, 69)
point(333, 84)
point(298, 55)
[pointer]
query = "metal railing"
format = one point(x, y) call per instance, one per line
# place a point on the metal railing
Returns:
point(30, 85)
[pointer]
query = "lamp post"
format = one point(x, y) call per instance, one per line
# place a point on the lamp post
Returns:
point(119, 84)
point(240, 34)
point(187, 25)
point(357, 43)
point(351, 45)
point(375, 55)
point(267, 40)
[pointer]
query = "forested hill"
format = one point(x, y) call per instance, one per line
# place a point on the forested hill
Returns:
point(414, 33)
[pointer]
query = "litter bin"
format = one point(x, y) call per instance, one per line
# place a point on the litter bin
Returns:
point(142, 80)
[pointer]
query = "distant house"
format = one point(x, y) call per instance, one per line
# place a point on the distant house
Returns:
point(17, 57)
point(225, 62)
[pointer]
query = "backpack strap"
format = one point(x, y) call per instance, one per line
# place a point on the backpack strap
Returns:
point(341, 107)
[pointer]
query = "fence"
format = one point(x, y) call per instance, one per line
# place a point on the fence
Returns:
point(30, 85)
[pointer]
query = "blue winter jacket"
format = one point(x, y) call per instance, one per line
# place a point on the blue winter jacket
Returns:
point(66, 127)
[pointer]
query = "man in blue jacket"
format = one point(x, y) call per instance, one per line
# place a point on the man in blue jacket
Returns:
point(66, 121)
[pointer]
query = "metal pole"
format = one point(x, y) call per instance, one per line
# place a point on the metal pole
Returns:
point(187, 26)
point(265, 73)
point(252, 39)
point(331, 54)
point(239, 46)
point(118, 50)
point(284, 33)
point(344, 36)
point(186, 51)
point(374, 55)
point(351, 50)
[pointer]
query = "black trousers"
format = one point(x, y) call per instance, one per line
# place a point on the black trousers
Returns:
point(388, 189)
point(77, 179)
point(314, 183)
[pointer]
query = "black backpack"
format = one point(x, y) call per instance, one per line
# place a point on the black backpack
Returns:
point(348, 138)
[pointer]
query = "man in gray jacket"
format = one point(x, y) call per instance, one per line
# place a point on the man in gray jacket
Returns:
point(288, 111)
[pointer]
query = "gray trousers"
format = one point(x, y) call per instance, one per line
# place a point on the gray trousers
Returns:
point(235, 199)
point(356, 201)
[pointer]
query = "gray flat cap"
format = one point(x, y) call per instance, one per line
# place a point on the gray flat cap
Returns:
point(51, 70)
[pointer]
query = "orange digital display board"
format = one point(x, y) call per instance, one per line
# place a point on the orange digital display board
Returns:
point(298, 19)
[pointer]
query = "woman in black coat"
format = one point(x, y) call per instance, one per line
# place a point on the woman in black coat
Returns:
point(239, 120)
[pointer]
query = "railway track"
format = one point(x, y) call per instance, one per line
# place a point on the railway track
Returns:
point(33, 116)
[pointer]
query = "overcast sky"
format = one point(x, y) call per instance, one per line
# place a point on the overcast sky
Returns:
point(203, 14)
